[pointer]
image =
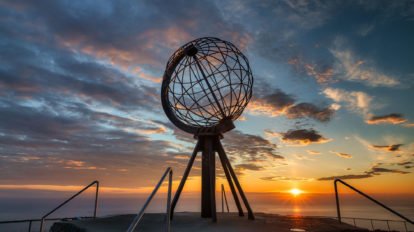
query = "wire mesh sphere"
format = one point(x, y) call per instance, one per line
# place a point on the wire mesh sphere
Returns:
point(206, 86)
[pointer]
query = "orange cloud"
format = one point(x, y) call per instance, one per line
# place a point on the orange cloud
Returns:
point(303, 137)
point(341, 154)
point(321, 77)
point(387, 119)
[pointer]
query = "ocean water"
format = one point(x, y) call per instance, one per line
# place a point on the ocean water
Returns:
point(25, 206)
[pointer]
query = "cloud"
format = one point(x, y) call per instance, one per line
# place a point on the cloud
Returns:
point(353, 68)
point(387, 119)
point(374, 171)
point(408, 125)
point(252, 167)
point(273, 104)
point(354, 100)
point(341, 154)
point(347, 177)
point(393, 147)
point(303, 137)
point(322, 76)
point(280, 103)
point(302, 110)
point(285, 178)
point(250, 148)
point(379, 170)
point(312, 152)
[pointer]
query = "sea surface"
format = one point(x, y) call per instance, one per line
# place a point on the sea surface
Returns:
point(27, 206)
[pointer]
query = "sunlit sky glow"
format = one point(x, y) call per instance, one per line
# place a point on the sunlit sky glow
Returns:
point(80, 87)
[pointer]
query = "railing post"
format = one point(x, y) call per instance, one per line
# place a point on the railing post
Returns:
point(69, 199)
point(372, 225)
point(388, 225)
point(366, 196)
point(96, 199)
point(41, 225)
point(169, 200)
point(30, 226)
point(139, 216)
point(222, 198)
point(338, 209)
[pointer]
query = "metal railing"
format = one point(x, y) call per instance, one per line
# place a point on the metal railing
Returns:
point(42, 220)
point(30, 221)
point(224, 199)
point(372, 220)
point(338, 208)
point(139, 216)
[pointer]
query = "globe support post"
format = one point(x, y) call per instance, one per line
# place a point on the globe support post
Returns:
point(209, 145)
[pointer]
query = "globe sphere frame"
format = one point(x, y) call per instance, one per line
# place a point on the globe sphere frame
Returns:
point(206, 86)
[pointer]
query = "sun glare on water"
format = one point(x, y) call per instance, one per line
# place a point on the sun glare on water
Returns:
point(295, 192)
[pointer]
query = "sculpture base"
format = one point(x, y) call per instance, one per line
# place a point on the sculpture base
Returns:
point(209, 145)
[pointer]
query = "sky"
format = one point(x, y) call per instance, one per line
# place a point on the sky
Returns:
point(332, 98)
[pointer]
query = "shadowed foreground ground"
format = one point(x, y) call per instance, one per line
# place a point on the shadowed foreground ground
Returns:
point(229, 222)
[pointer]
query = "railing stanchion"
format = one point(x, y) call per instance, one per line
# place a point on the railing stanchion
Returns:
point(366, 196)
point(372, 225)
point(42, 221)
point(169, 201)
point(30, 226)
point(388, 225)
point(96, 199)
point(405, 225)
point(338, 209)
point(139, 216)
point(222, 198)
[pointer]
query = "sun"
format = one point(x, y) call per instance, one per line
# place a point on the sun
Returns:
point(295, 192)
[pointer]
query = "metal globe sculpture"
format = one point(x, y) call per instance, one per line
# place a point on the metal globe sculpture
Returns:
point(206, 86)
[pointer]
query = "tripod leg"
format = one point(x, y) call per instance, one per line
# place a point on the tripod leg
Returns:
point(184, 178)
point(228, 177)
point(236, 181)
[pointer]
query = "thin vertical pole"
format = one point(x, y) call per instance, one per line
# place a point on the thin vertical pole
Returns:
point(229, 180)
point(169, 200)
point(96, 199)
point(184, 178)
point(372, 225)
point(236, 181)
point(30, 226)
point(225, 198)
point(222, 198)
point(388, 224)
point(338, 209)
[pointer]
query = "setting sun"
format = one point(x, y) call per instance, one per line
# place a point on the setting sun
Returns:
point(295, 192)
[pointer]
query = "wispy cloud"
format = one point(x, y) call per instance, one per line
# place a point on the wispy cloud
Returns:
point(356, 101)
point(374, 171)
point(341, 154)
point(352, 68)
point(393, 147)
point(387, 119)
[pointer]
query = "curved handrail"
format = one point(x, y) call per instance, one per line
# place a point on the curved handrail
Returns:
point(338, 210)
point(69, 199)
point(139, 216)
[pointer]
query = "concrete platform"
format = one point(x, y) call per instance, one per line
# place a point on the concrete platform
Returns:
point(192, 222)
